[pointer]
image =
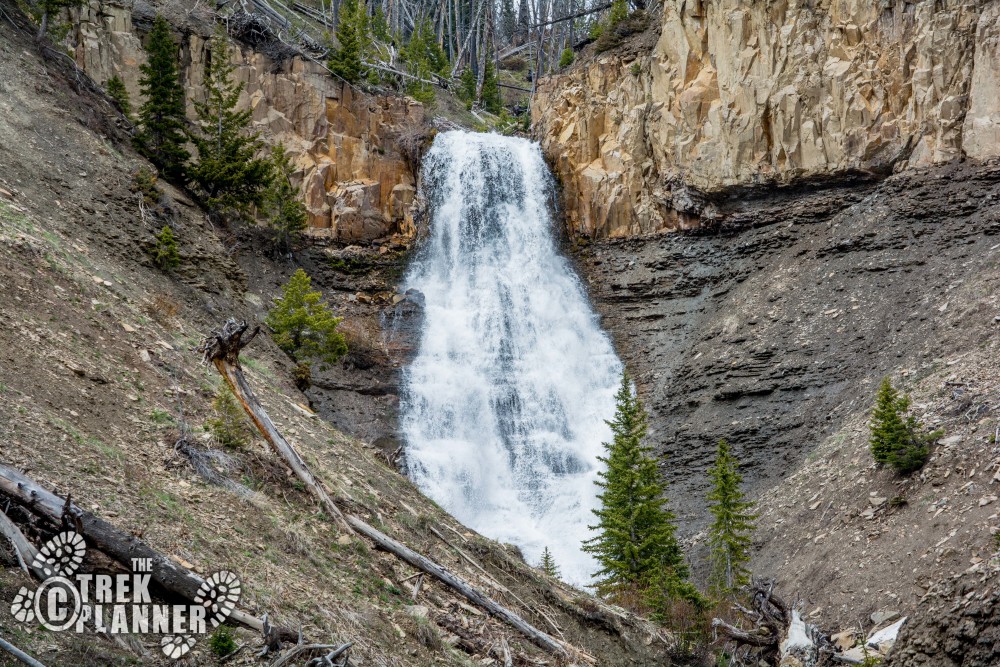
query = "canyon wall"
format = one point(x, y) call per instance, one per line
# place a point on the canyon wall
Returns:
point(345, 144)
point(734, 94)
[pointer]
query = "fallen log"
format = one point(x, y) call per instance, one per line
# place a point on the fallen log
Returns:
point(24, 551)
point(222, 348)
point(105, 537)
point(455, 582)
point(19, 654)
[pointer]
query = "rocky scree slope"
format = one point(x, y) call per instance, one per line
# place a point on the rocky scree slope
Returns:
point(99, 377)
point(731, 93)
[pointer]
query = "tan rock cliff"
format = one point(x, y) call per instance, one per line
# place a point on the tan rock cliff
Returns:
point(742, 94)
point(355, 182)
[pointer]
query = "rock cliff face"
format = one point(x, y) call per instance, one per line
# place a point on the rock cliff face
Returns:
point(356, 183)
point(745, 94)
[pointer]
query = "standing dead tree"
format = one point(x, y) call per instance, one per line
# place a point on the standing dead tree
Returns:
point(222, 348)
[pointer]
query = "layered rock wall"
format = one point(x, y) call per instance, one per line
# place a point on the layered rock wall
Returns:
point(356, 184)
point(737, 94)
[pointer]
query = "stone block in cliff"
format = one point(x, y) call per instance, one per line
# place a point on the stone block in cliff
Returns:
point(981, 131)
point(356, 214)
point(736, 94)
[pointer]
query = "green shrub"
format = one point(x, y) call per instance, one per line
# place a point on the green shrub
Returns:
point(898, 439)
point(229, 426)
point(635, 69)
point(619, 12)
point(222, 641)
point(164, 250)
point(144, 183)
point(566, 59)
point(303, 325)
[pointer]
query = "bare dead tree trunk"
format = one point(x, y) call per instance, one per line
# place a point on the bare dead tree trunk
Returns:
point(222, 348)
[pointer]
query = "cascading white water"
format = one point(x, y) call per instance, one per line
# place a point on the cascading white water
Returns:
point(503, 407)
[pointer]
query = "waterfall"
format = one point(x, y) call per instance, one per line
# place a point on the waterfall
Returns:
point(503, 406)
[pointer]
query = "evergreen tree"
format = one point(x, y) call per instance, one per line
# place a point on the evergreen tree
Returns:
point(229, 426)
point(548, 564)
point(523, 22)
point(161, 116)
point(636, 542)
point(729, 536)
point(228, 170)
point(619, 12)
point(467, 87)
point(424, 58)
point(287, 213)
point(345, 61)
point(508, 20)
point(566, 59)
point(164, 250)
point(489, 95)
point(119, 95)
point(896, 437)
point(303, 325)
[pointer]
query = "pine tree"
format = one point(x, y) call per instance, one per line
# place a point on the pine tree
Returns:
point(636, 542)
point(227, 170)
point(119, 95)
point(548, 564)
point(229, 426)
point(508, 20)
point(161, 116)
point(888, 427)
point(424, 58)
point(896, 438)
point(287, 213)
point(490, 93)
point(303, 325)
point(164, 251)
point(729, 536)
point(566, 59)
point(467, 87)
point(345, 61)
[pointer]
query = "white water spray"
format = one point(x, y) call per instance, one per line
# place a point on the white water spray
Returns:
point(504, 405)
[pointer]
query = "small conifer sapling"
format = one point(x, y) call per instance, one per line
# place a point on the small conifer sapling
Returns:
point(730, 535)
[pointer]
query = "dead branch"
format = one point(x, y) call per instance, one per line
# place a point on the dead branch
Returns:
point(291, 654)
point(19, 654)
point(222, 348)
point(328, 659)
point(760, 637)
